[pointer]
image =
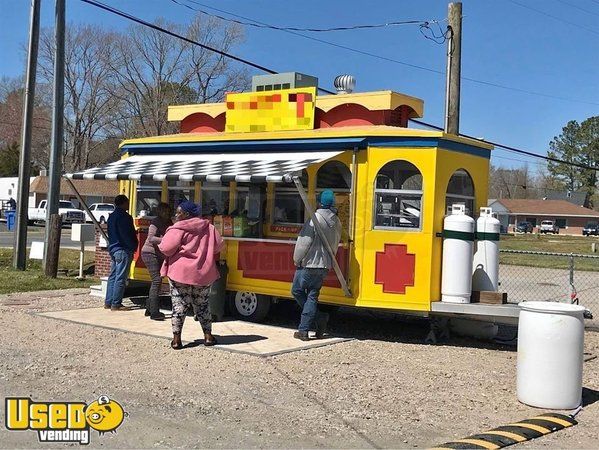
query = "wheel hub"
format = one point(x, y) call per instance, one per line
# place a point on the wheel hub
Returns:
point(246, 303)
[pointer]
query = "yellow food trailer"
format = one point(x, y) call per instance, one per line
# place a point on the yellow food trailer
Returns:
point(256, 163)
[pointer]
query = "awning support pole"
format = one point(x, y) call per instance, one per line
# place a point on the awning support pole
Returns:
point(352, 203)
point(322, 236)
point(86, 208)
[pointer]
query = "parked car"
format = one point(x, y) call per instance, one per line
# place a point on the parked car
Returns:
point(100, 211)
point(66, 209)
point(548, 226)
point(524, 227)
point(591, 229)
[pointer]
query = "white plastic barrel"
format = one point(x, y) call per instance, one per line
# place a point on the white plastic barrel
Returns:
point(485, 269)
point(458, 244)
point(550, 355)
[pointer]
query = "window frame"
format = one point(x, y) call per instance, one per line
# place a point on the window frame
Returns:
point(409, 192)
point(465, 198)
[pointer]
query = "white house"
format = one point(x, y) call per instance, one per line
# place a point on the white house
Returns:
point(9, 188)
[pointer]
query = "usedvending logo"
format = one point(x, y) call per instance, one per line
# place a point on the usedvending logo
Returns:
point(63, 421)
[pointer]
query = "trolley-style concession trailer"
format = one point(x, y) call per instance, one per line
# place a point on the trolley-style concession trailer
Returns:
point(257, 162)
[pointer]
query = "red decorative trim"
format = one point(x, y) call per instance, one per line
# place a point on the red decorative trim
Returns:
point(395, 268)
point(203, 123)
point(352, 114)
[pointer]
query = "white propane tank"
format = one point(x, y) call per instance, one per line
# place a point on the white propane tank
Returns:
point(458, 243)
point(485, 270)
point(550, 354)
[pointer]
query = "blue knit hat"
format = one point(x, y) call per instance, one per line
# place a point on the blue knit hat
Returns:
point(327, 198)
point(190, 208)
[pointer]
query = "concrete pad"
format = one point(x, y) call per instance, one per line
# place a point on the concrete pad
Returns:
point(235, 336)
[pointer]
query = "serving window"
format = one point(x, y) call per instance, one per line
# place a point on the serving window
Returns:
point(460, 190)
point(336, 176)
point(149, 195)
point(288, 205)
point(179, 192)
point(215, 199)
point(398, 197)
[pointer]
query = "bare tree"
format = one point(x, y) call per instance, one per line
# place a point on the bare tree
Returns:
point(153, 70)
point(90, 107)
point(509, 183)
point(11, 119)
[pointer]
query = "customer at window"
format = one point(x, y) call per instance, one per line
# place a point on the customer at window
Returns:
point(190, 248)
point(313, 263)
point(122, 242)
point(153, 258)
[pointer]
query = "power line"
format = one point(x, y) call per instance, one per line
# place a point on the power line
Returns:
point(313, 30)
point(559, 19)
point(513, 149)
point(157, 28)
point(396, 61)
point(578, 7)
point(170, 33)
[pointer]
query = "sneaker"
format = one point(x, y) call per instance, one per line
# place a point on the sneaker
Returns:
point(120, 308)
point(158, 316)
point(301, 335)
point(321, 328)
point(106, 306)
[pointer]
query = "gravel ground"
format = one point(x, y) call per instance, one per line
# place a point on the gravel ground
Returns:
point(385, 389)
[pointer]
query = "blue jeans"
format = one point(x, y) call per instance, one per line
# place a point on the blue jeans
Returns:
point(119, 271)
point(305, 289)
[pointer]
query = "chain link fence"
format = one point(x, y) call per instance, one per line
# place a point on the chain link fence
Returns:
point(558, 277)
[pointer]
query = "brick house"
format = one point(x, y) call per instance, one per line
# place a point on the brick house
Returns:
point(570, 218)
point(92, 191)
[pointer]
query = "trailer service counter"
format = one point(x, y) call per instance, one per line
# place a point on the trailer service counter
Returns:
point(257, 162)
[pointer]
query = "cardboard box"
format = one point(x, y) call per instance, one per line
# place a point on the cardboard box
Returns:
point(218, 223)
point(240, 226)
point(489, 297)
point(227, 226)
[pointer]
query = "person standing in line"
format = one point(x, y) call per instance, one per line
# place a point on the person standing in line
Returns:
point(153, 258)
point(122, 242)
point(313, 262)
point(190, 248)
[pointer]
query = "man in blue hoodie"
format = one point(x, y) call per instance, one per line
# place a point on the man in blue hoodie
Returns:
point(122, 242)
point(313, 262)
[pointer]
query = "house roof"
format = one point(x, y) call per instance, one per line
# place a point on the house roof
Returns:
point(553, 208)
point(102, 188)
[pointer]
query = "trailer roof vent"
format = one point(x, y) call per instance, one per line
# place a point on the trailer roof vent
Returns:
point(278, 81)
point(344, 84)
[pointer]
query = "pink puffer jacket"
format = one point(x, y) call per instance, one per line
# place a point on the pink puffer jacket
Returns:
point(190, 247)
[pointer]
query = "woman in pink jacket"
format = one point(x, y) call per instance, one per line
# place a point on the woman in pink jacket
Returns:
point(190, 248)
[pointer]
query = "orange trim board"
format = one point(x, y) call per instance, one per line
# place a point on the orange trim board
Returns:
point(513, 433)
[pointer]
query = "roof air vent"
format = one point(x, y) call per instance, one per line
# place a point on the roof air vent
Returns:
point(344, 84)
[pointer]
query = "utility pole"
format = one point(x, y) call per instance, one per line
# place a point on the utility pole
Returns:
point(19, 256)
point(454, 61)
point(57, 127)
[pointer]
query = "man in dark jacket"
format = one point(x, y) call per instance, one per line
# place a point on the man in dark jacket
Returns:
point(122, 242)
point(313, 263)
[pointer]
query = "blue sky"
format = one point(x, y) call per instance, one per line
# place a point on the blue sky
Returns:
point(553, 51)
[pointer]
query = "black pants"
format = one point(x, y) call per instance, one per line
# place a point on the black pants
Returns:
point(153, 264)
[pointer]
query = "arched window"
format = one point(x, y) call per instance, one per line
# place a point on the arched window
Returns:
point(398, 196)
point(460, 190)
point(336, 176)
point(288, 205)
point(333, 175)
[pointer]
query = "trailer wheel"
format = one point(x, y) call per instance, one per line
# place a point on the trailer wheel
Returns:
point(249, 305)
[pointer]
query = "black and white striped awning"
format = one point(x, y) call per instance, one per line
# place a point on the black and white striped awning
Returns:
point(240, 167)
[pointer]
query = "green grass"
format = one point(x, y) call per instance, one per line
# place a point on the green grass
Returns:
point(549, 243)
point(33, 279)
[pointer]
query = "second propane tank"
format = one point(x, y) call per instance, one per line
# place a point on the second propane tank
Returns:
point(485, 270)
point(458, 244)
